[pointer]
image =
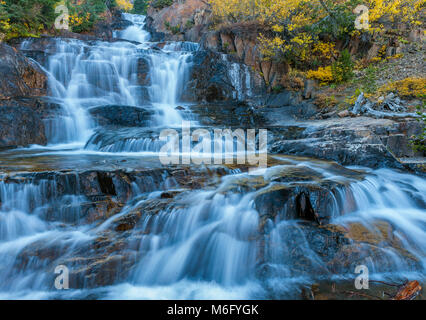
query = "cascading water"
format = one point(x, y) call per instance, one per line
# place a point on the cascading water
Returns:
point(196, 239)
point(135, 32)
point(168, 73)
point(83, 75)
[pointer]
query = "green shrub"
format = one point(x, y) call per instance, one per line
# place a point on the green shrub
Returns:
point(189, 24)
point(86, 14)
point(342, 69)
point(20, 18)
point(23, 18)
point(140, 6)
point(172, 29)
point(160, 4)
point(418, 142)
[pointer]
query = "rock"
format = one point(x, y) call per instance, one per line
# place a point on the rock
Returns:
point(20, 126)
point(143, 72)
point(288, 106)
point(178, 14)
point(226, 114)
point(216, 77)
point(44, 107)
point(417, 35)
point(409, 291)
point(20, 76)
point(344, 113)
point(285, 98)
point(348, 141)
point(211, 41)
point(324, 244)
point(309, 89)
point(332, 250)
point(125, 116)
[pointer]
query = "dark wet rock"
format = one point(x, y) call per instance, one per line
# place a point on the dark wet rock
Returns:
point(20, 76)
point(227, 114)
point(20, 126)
point(157, 36)
point(120, 24)
point(349, 141)
point(306, 249)
point(297, 192)
point(210, 78)
point(101, 271)
point(125, 116)
point(149, 207)
point(295, 240)
point(44, 107)
point(88, 196)
point(143, 71)
point(38, 49)
point(307, 202)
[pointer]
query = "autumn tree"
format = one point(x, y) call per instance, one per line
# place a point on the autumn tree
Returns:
point(303, 32)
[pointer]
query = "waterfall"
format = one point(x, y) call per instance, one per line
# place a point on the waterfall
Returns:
point(169, 71)
point(208, 240)
point(184, 232)
point(86, 74)
point(240, 79)
point(135, 32)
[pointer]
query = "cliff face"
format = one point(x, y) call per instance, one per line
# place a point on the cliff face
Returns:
point(21, 79)
point(20, 76)
point(186, 20)
point(191, 20)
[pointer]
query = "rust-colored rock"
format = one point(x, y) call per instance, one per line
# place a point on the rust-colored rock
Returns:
point(20, 76)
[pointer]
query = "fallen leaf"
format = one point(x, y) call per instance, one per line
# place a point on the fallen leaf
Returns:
point(409, 291)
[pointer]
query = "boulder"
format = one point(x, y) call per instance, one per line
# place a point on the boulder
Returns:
point(218, 77)
point(20, 126)
point(185, 15)
point(125, 116)
point(20, 75)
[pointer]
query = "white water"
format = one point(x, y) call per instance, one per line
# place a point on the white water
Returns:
point(206, 245)
point(240, 79)
point(209, 242)
point(135, 32)
point(95, 73)
point(169, 73)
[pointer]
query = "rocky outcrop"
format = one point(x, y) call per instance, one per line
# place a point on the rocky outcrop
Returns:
point(180, 21)
point(125, 116)
point(241, 42)
point(217, 77)
point(226, 114)
point(361, 141)
point(190, 21)
point(20, 76)
point(20, 126)
point(21, 87)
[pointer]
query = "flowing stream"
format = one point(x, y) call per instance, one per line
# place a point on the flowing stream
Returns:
point(216, 241)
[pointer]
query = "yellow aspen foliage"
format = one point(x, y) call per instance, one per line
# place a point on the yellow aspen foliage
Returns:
point(323, 75)
point(295, 25)
point(406, 88)
point(125, 5)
